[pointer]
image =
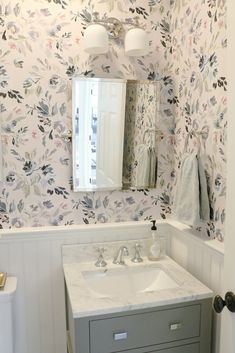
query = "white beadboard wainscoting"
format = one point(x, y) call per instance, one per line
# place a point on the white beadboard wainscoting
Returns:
point(201, 257)
point(34, 256)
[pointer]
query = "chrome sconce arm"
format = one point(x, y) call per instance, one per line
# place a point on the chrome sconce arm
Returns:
point(113, 26)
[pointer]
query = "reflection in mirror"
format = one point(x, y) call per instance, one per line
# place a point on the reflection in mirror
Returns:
point(104, 156)
point(98, 132)
point(140, 148)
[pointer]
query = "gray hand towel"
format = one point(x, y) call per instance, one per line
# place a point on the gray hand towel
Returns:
point(143, 167)
point(187, 192)
point(203, 193)
point(153, 168)
point(191, 197)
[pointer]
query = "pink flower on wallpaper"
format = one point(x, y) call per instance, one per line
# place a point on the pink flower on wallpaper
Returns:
point(225, 101)
point(5, 139)
point(12, 45)
point(33, 34)
point(221, 24)
point(49, 43)
point(34, 134)
point(58, 143)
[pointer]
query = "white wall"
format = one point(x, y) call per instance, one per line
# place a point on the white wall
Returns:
point(34, 256)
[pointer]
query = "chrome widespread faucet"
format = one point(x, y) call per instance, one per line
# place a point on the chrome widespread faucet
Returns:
point(118, 259)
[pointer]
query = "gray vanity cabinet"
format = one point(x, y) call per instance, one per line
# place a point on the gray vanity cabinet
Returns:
point(178, 328)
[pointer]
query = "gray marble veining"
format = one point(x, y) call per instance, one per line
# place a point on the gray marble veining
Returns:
point(88, 252)
point(80, 258)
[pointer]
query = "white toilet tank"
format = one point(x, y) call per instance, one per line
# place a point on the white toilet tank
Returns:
point(7, 316)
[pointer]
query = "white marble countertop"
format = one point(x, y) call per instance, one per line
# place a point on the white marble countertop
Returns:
point(84, 303)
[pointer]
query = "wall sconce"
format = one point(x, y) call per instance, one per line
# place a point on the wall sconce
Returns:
point(136, 42)
point(97, 34)
point(96, 39)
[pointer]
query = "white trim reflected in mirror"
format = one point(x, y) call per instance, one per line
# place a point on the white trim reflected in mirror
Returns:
point(98, 133)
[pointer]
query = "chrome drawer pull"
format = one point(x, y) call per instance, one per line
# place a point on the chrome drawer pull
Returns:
point(120, 336)
point(175, 326)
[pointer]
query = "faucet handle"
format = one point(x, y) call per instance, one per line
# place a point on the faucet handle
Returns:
point(100, 262)
point(138, 246)
point(137, 258)
point(101, 250)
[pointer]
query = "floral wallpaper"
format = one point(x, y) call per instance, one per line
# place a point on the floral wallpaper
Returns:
point(199, 74)
point(41, 49)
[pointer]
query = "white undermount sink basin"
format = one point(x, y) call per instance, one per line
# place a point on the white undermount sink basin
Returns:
point(127, 281)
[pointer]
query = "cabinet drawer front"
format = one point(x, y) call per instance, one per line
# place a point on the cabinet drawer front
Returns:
point(190, 348)
point(146, 329)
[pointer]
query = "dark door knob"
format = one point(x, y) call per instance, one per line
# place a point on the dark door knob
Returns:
point(229, 301)
point(218, 304)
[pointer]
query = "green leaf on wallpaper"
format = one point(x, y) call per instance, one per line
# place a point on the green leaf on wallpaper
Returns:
point(206, 86)
point(120, 7)
point(16, 10)
point(62, 3)
point(168, 112)
point(62, 109)
point(3, 208)
point(54, 109)
point(62, 89)
point(110, 3)
point(197, 106)
point(106, 202)
point(28, 46)
point(162, 182)
point(39, 90)
point(223, 192)
point(98, 203)
point(41, 128)
point(27, 155)
point(26, 190)
point(12, 207)
point(223, 216)
point(4, 54)
point(37, 190)
point(20, 205)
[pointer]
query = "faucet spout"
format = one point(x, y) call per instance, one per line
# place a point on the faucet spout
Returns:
point(118, 259)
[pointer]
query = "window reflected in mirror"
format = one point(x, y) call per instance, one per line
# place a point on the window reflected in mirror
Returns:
point(98, 133)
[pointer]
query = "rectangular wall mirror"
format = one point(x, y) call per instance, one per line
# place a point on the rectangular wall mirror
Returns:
point(114, 134)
